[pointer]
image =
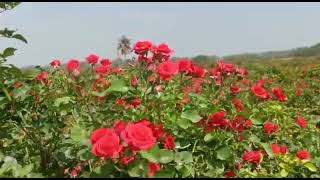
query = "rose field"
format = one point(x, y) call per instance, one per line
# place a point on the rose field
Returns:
point(155, 116)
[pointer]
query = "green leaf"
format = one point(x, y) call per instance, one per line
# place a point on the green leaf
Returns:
point(117, 85)
point(214, 173)
point(311, 167)
point(283, 173)
point(152, 155)
point(20, 37)
point(158, 156)
point(79, 135)
point(8, 52)
point(191, 115)
point(217, 136)
point(183, 157)
point(166, 156)
point(137, 169)
point(183, 123)
point(62, 100)
point(268, 149)
point(209, 137)
point(164, 174)
point(26, 170)
point(21, 92)
point(107, 170)
point(99, 94)
point(223, 153)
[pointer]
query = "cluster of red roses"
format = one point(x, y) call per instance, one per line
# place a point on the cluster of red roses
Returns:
point(167, 69)
point(259, 91)
point(124, 141)
point(238, 124)
point(128, 104)
point(219, 121)
point(130, 138)
point(256, 157)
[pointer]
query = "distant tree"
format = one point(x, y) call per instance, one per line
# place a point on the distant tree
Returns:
point(8, 72)
point(124, 46)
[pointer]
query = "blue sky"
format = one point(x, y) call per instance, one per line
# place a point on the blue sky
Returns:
point(66, 30)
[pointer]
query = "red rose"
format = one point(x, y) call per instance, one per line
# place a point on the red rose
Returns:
point(75, 172)
point(230, 174)
point(248, 123)
point(92, 59)
point(167, 70)
point(242, 72)
point(157, 131)
point(119, 126)
point(136, 102)
point(259, 91)
point(73, 67)
point(153, 169)
point(145, 122)
point(303, 155)
point(142, 47)
point(278, 92)
point(299, 92)
point(198, 72)
point(254, 157)
point(219, 120)
point(139, 135)
point(105, 62)
point(117, 71)
point(103, 70)
point(219, 81)
point(214, 73)
point(246, 82)
point(169, 142)
point(97, 134)
point(239, 124)
point(55, 63)
point(105, 143)
point(43, 76)
point(270, 127)
point(126, 160)
point(302, 122)
point(235, 89)
point(162, 50)
point(134, 82)
point(120, 102)
point(276, 149)
point(184, 66)
point(226, 68)
point(101, 83)
point(284, 150)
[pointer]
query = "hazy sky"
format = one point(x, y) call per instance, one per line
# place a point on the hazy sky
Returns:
point(67, 30)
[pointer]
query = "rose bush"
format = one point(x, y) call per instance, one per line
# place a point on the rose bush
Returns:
point(161, 118)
